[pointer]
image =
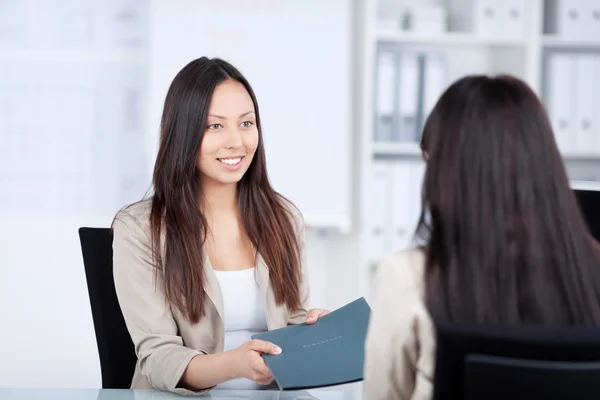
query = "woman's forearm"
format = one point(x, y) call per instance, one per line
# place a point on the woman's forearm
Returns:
point(207, 370)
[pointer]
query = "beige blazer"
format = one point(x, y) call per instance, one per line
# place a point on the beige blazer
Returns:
point(400, 345)
point(164, 341)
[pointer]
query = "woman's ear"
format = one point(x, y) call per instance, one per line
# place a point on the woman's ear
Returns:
point(425, 155)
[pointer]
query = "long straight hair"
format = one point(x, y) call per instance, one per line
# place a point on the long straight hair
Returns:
point(176, 216)
point(504, 238)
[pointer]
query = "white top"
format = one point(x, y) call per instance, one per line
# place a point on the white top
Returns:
point(244, 315)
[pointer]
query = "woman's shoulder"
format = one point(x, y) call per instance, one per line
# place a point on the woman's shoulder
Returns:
point(135, 216)
point(405, 269)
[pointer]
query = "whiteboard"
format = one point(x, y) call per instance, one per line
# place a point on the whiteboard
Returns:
point(296, 54)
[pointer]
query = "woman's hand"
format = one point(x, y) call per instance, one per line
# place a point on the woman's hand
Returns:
point(248, 362)
point(313, 315)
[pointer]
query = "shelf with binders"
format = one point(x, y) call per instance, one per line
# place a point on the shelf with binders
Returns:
point(562, 42)
point(571, 93)
point(409, 80)
point(394, 205)
point(455, 22)
point(421, 49)
point(571, 24)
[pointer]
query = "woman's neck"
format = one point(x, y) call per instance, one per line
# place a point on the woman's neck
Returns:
point(219, 198)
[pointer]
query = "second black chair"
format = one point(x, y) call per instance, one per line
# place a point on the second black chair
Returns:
point(491, 362)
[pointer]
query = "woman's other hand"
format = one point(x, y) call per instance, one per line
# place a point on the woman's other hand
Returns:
point(313, 315)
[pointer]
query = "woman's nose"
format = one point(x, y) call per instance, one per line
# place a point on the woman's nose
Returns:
point(234, 138)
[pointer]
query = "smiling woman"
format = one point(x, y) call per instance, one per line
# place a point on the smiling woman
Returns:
point(215, 254)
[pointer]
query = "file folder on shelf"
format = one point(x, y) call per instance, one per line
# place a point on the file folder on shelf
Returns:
point(585, 128)
point(380, 208)
point(434, 82)
point(561, 92)
point(329, 352)
point(409, 71)
point(384, 104)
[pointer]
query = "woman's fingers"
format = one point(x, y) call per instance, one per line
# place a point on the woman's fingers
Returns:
point(264, 347)
point(313, 315)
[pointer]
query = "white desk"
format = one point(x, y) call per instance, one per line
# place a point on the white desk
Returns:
point(122, 394)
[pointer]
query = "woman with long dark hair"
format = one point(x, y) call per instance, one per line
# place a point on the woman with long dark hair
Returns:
point(503, 239)
point(215, 254)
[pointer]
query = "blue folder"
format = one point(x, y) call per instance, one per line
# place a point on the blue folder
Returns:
point(329, 352)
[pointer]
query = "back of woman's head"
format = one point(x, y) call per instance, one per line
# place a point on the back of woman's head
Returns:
point(504, 237)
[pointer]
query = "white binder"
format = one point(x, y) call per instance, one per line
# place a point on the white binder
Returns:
point(563, 18)
point(416, 185)
point(585, 127)
point(386, 72)
point(434, 79)
point(401, 204)
point(408, 97)
point(379, 210)
point(406, 203)
point(511, 18)
point(590, 21)
point(486, 18)
point(560, 99)
point(595, 134)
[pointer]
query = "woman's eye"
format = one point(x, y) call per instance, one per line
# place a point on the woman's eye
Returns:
point(247, 124)
point(215, 126)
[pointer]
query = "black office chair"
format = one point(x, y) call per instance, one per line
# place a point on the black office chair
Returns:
point(491, 362)
point(115, 348)
point(589, 203)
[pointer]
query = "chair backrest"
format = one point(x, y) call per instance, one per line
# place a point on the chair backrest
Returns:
point(115, 348)
point(492, 362)
point(588, 203)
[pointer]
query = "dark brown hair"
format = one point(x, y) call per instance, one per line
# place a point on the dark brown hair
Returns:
point(176, 214)
point(504, 237)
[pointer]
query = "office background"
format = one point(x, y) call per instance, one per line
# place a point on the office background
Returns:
point(343, 85)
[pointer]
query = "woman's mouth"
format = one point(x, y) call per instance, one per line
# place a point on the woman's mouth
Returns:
point(231, 163)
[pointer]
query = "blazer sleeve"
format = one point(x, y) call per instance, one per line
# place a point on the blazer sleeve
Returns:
point(162, 356)
point(392, 349)
point(299, 316)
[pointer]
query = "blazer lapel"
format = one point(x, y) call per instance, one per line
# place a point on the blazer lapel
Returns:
point(276, 316)
point(211, 287)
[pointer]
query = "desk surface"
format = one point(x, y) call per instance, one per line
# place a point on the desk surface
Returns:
point(122, 394)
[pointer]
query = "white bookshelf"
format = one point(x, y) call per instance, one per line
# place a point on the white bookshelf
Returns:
point(445, 39)
point(396, 149)
point(466, 53)
point(549, 41)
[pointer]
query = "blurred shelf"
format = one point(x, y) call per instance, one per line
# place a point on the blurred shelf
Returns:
point(569, 156)
point(414, 149)
point(446, 39)
point(74, 55)
point(585, 185)
point(397, 149)
point(558, 41)
point(328, 223)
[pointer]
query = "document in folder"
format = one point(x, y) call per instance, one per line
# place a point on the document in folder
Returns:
point(329, 352)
